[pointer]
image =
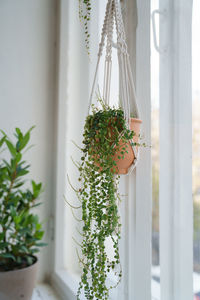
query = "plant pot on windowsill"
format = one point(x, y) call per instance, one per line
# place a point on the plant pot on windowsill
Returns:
point(18, 284)
point(20, 229)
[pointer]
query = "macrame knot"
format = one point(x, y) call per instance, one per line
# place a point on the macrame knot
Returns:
point(127, 88)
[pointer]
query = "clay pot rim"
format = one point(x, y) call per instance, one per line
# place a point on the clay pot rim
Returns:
point(136, 120)
point(22, 269)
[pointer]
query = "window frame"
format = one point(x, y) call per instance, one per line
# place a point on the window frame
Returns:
point(176, 206)
point(175, 187)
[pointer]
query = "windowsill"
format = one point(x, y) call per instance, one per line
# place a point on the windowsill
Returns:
point(65, 283)
point(44, 292)
point(64, 286)
point(155, 284)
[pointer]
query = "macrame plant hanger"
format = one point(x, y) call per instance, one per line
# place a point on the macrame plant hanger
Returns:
point(127, 88)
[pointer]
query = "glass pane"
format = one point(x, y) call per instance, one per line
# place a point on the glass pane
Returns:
point(196, 144)
point(155, 162)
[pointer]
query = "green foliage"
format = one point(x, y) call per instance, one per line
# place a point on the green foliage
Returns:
point(84, 16)
point(99, 198)
point(20, 229)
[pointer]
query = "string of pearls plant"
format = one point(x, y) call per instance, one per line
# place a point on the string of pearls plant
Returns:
point(99, 198)
point(84, 16)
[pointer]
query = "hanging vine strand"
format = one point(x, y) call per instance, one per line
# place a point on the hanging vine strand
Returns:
point(84, 16)
point(99, 196)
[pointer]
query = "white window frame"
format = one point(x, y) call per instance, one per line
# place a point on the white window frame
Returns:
point(175, 162)
point(176, 207)
point(136, 257)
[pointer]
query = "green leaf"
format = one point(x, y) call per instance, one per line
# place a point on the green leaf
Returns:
point(35, 250)
point(24, 249)
point(19, 136)
point(36, 188)
point(25, 139)
point(3, 132)
point(38, 226)
point(18, 184)
point(22, 172)
point(31, 128)
point(2, 141)
point(2, 235)
point(19, 259)
point(8, 255)
point(17, 219)
point(35, 205)
point(24, 231)
point(3, 245)
point(34, 219)
point(41, 244)
point(18, 157)
point(39, 234)
point(18, 131)
point(13, 211)
point(30, 260)
point(11, 148)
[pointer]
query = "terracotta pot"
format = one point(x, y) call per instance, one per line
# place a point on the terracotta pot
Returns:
point(18, 284)
point(124, 164)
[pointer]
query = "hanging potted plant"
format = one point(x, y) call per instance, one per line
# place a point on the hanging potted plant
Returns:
point(106, 130)
point(106, 153)
point(110, 148)
point(20, 229)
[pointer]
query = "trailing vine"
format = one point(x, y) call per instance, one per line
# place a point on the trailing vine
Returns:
point(104, 130)
point(84, 16)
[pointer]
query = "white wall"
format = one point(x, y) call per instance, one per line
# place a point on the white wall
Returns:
point(27, 91)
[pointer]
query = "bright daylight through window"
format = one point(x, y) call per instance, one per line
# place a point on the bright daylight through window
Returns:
point(196, 144)
point(155, 162)
point(196, 154)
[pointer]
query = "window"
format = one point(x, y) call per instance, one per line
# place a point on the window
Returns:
point(155, 158)
point(196, 146)
point(172, 277)
point(170, 114)
point(73, 93)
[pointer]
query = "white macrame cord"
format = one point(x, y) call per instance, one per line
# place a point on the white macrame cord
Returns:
point(127, 87)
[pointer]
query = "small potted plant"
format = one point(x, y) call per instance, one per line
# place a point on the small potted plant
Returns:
point(106, 153)
point(20, 229)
